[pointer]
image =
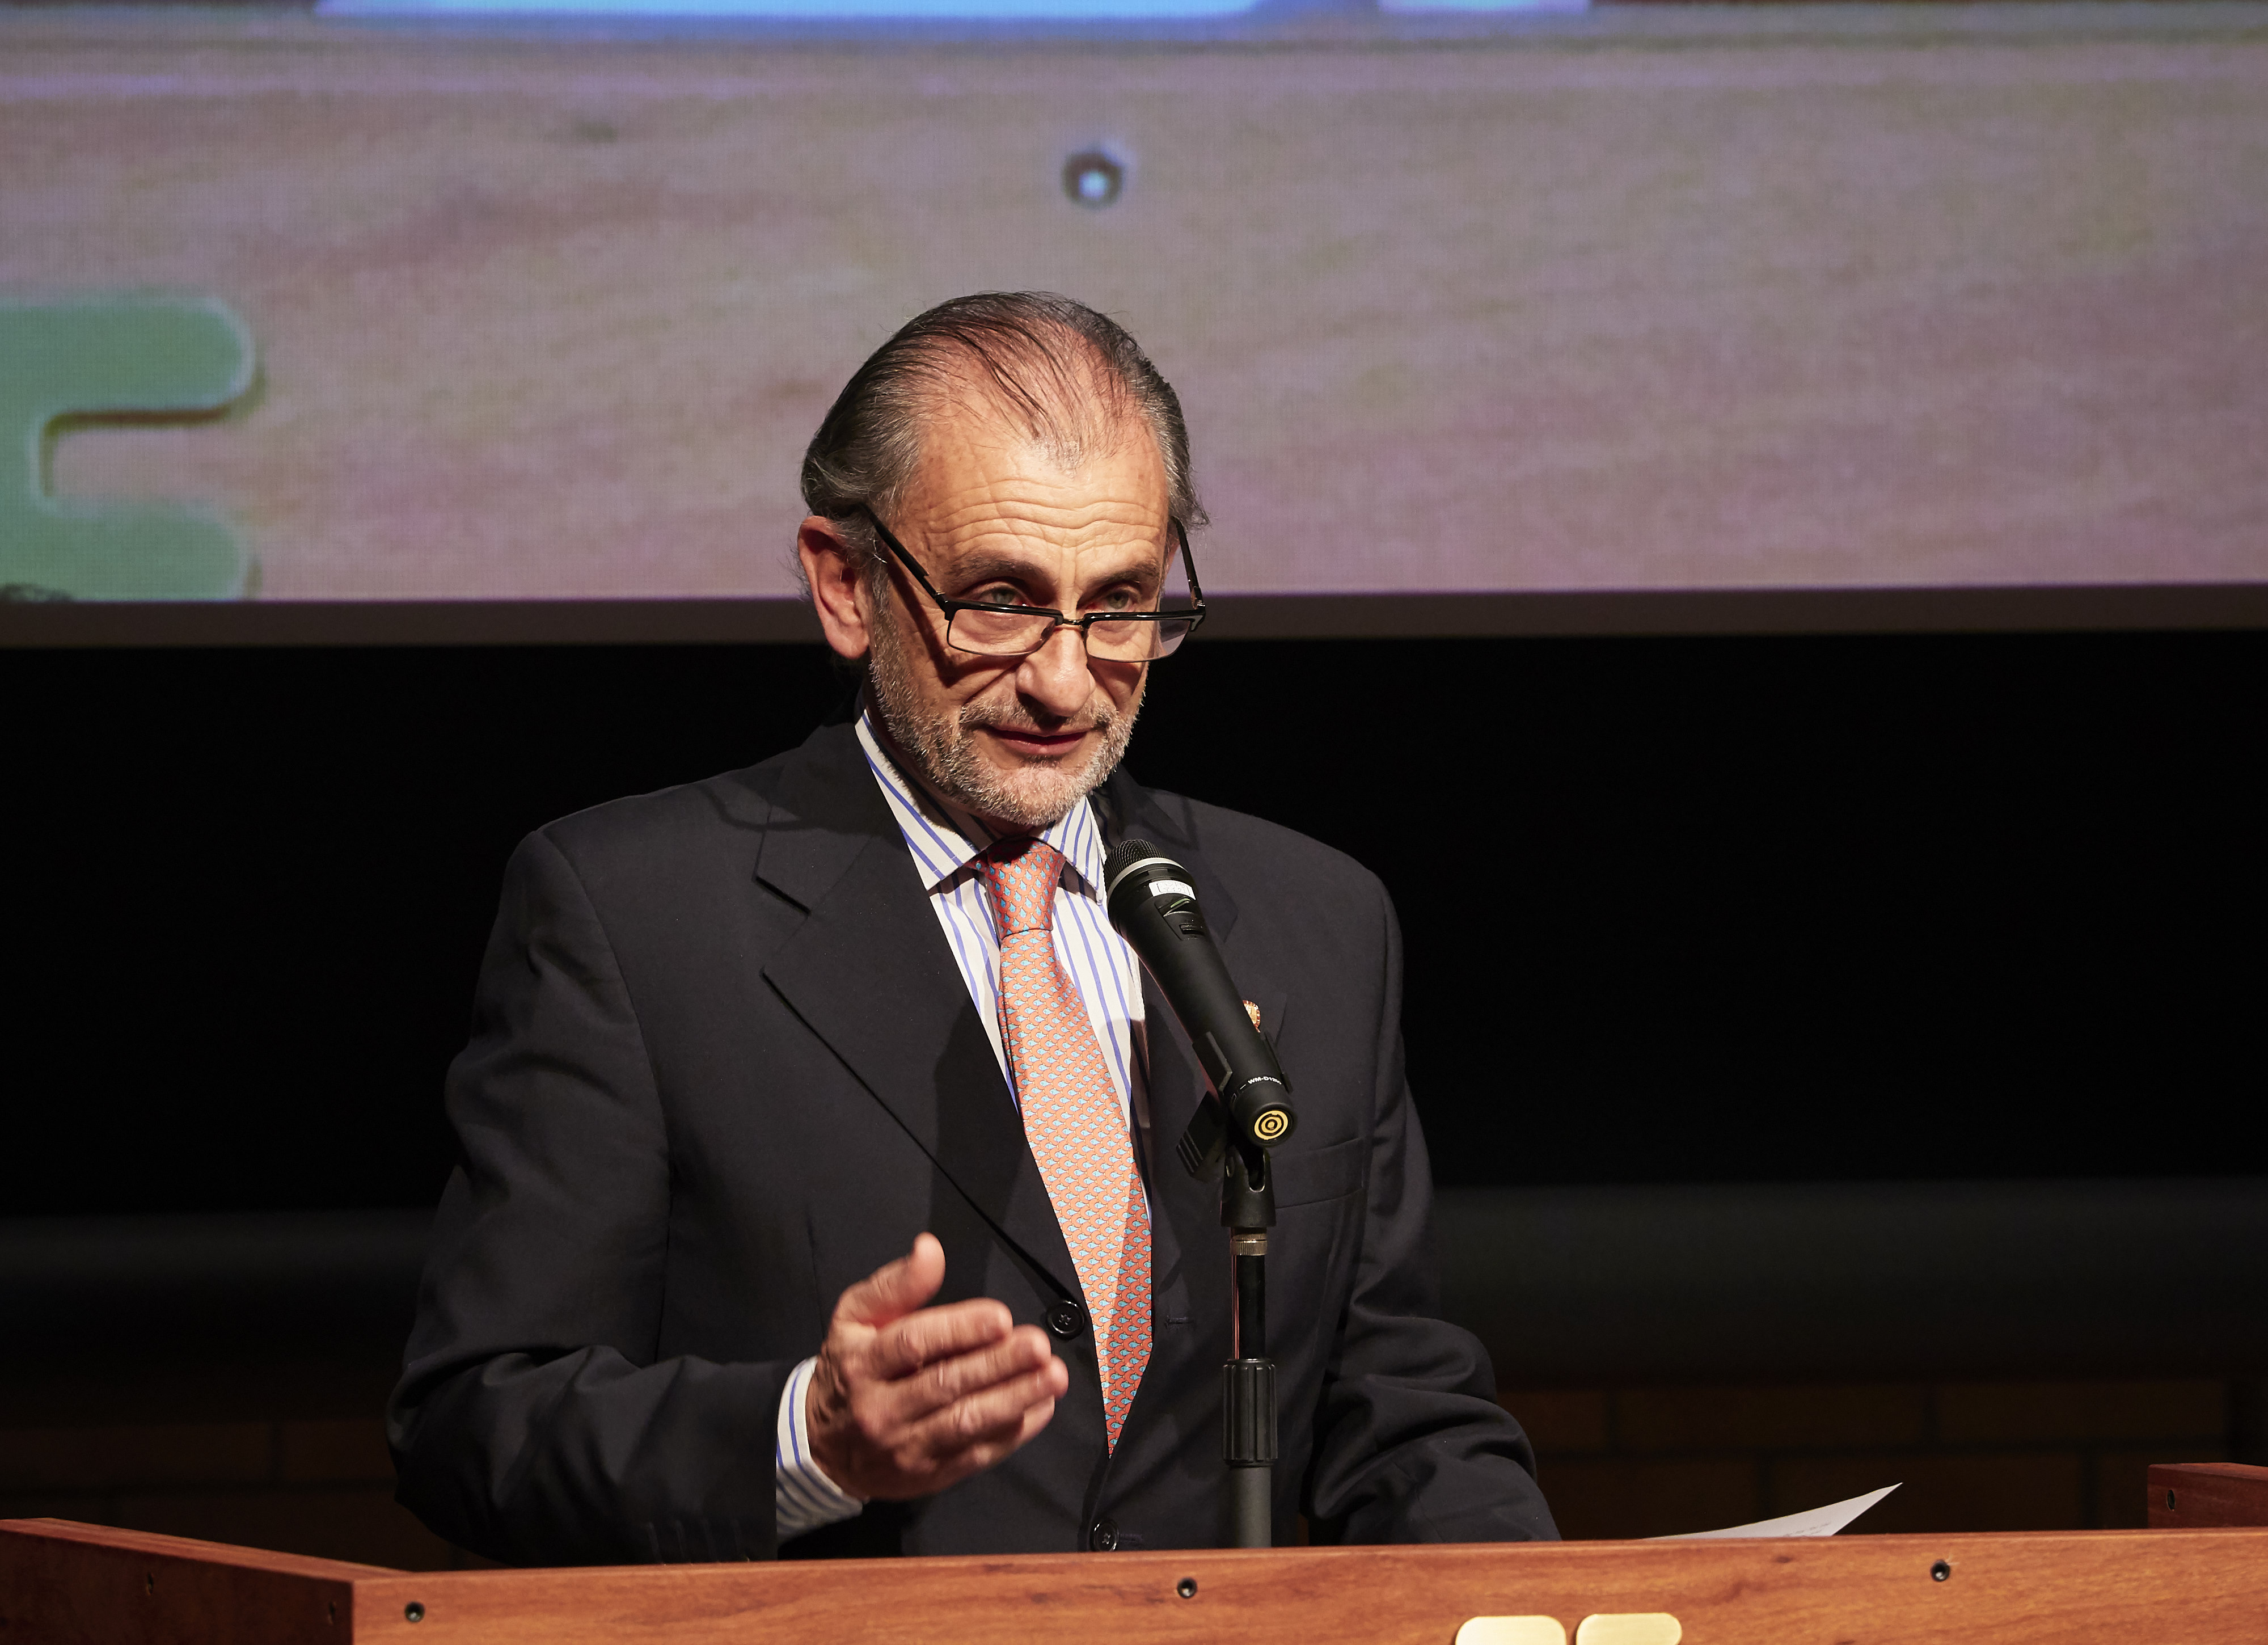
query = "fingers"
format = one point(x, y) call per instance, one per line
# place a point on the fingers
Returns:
point(993, 1410)
point(943, 1381)
point(973, 1433)
point(994, 1446)
point(931, 1334)
point(896, 1288)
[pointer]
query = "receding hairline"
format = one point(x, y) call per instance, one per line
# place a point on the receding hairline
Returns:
point(1079, 409)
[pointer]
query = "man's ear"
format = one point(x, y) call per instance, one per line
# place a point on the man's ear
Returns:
point(833, 575)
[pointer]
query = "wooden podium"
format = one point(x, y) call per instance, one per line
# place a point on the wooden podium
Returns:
point(66, 1583)
point(2185, 1496)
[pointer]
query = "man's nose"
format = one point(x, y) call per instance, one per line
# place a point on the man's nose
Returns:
point(1056, 676)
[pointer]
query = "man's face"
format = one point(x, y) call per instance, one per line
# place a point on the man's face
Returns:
point(990, 516)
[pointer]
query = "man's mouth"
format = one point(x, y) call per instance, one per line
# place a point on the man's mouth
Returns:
point(1036, 744)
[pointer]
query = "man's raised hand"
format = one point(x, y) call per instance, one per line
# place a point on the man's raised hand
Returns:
point(908, 1400)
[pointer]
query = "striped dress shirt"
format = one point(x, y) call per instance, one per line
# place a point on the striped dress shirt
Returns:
point(946, 843)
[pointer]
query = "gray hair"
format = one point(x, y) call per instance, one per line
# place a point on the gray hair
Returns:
point(1057, 369)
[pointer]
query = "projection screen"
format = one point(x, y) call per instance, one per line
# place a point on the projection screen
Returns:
point(1922, 315)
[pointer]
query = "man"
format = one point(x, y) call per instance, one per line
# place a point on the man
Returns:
point(816, 1190)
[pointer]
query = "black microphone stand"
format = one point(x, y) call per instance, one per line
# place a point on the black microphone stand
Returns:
point(1246, 1110)
point(1247, 1211)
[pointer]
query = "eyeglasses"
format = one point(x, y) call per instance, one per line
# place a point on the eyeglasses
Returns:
point(989, 630)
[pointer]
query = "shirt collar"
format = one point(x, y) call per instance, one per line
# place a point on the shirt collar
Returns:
point(945, 840)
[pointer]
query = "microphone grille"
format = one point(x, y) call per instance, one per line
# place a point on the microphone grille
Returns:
point(1119, 871)
point(1129, 851)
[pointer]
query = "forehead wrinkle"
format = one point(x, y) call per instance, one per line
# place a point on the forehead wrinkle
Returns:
point(1001, 544)
point(1079, 510)
point(997, 548)
point(1079, 528)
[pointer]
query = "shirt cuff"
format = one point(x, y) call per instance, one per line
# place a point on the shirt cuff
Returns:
point(803, 1497)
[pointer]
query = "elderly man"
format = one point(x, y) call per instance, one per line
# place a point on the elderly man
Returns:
point(816, 1192)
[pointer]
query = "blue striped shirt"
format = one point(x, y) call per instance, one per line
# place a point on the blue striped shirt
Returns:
point(945, 842)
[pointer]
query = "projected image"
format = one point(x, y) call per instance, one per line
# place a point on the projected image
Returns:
point(900, 11)
point(1453, 305)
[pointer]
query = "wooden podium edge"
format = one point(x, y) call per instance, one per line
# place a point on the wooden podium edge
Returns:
point(157, 1545)
point(2191, 1495)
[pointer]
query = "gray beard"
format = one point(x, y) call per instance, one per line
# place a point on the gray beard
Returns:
point(1035, 797)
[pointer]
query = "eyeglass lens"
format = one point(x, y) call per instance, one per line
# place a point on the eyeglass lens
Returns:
point(1139, 639)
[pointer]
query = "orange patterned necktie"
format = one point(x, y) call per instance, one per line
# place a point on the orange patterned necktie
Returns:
point(1073, 1118)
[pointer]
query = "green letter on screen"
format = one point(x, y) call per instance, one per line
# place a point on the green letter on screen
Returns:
point(108, 357)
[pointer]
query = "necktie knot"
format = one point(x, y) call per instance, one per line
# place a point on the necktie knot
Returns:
point(1022, 874)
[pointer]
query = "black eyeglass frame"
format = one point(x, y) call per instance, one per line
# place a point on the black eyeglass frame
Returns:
point(1193, 617)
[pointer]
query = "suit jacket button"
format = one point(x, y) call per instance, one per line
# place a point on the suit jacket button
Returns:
point(1066, 1319)
point(1104, 1538)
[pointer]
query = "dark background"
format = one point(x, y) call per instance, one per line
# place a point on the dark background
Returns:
point(1676, 909)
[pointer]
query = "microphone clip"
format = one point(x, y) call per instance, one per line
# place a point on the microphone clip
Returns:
point(1199, 1148)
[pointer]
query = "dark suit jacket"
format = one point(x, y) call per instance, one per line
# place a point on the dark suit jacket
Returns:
point(722, 1066)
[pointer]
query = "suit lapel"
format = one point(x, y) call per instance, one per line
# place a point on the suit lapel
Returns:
point(870, 974)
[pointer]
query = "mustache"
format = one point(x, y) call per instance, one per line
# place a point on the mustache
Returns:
point(981, 716)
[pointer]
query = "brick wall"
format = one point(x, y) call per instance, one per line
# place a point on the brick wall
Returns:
point(2001, 1456)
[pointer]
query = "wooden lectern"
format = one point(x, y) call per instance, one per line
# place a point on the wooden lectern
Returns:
point(2185, 1495)
point(65, 1583)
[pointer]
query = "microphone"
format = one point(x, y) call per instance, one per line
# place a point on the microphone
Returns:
point(1154, 907)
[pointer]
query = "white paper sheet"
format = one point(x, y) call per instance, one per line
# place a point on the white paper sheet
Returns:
point(1813, 1522)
